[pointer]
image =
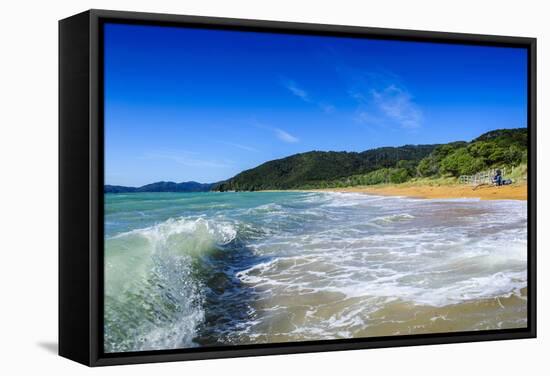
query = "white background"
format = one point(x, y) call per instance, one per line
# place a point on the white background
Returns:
point(28, 185)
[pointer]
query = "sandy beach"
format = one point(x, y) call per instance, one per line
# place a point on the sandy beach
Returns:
point(509, 192)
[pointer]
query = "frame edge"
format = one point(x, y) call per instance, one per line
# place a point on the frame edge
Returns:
point(93, 354)
point(74, 250)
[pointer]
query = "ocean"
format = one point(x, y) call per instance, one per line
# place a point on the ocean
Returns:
point(214, 269)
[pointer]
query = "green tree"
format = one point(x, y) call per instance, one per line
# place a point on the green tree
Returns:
point(461, 162)
point(398, 175)
point(513, 155)
point(428, 166)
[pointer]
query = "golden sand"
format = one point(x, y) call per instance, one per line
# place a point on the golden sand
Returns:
point(507, 192)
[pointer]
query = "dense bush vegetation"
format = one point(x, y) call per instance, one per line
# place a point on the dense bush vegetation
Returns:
point(496, 149)
point(500, 148)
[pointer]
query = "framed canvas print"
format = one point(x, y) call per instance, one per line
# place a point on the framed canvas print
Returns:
point(240, 187)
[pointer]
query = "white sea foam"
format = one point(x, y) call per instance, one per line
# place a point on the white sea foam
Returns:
point(441, 255)
point(393, 218)
point(222, 232)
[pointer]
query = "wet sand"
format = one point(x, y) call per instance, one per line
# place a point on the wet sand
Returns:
point(396, 318)
point(508, 192)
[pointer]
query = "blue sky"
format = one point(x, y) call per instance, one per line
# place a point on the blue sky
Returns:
point(191, 104)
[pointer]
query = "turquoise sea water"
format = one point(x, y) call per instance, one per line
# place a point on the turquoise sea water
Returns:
point(206, 269)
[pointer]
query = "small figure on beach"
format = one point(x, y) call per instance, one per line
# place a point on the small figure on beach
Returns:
point(497, 179)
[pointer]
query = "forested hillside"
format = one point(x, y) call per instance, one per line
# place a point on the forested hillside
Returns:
point(316, 169)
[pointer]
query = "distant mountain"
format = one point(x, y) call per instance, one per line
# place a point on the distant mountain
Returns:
point(169, 186)
point(314, 167)
point(118, 189)
point(161, 186)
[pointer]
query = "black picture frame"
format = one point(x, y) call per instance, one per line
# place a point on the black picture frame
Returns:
point(81, 187)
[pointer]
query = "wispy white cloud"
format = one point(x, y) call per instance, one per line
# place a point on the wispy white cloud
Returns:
point(296, 90)
point(281, 134)
point(366, 117)
point(398, 105)
point(187, 158)
point(240, 146)
point(388, 104)
point(358, 97)
point(285, 136)
point(304, 95)
point(327, 108)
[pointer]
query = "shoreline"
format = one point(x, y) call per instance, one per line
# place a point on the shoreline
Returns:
point(507, 192)
point(420, 191)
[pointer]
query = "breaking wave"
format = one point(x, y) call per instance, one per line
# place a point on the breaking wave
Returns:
point(154, 297)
